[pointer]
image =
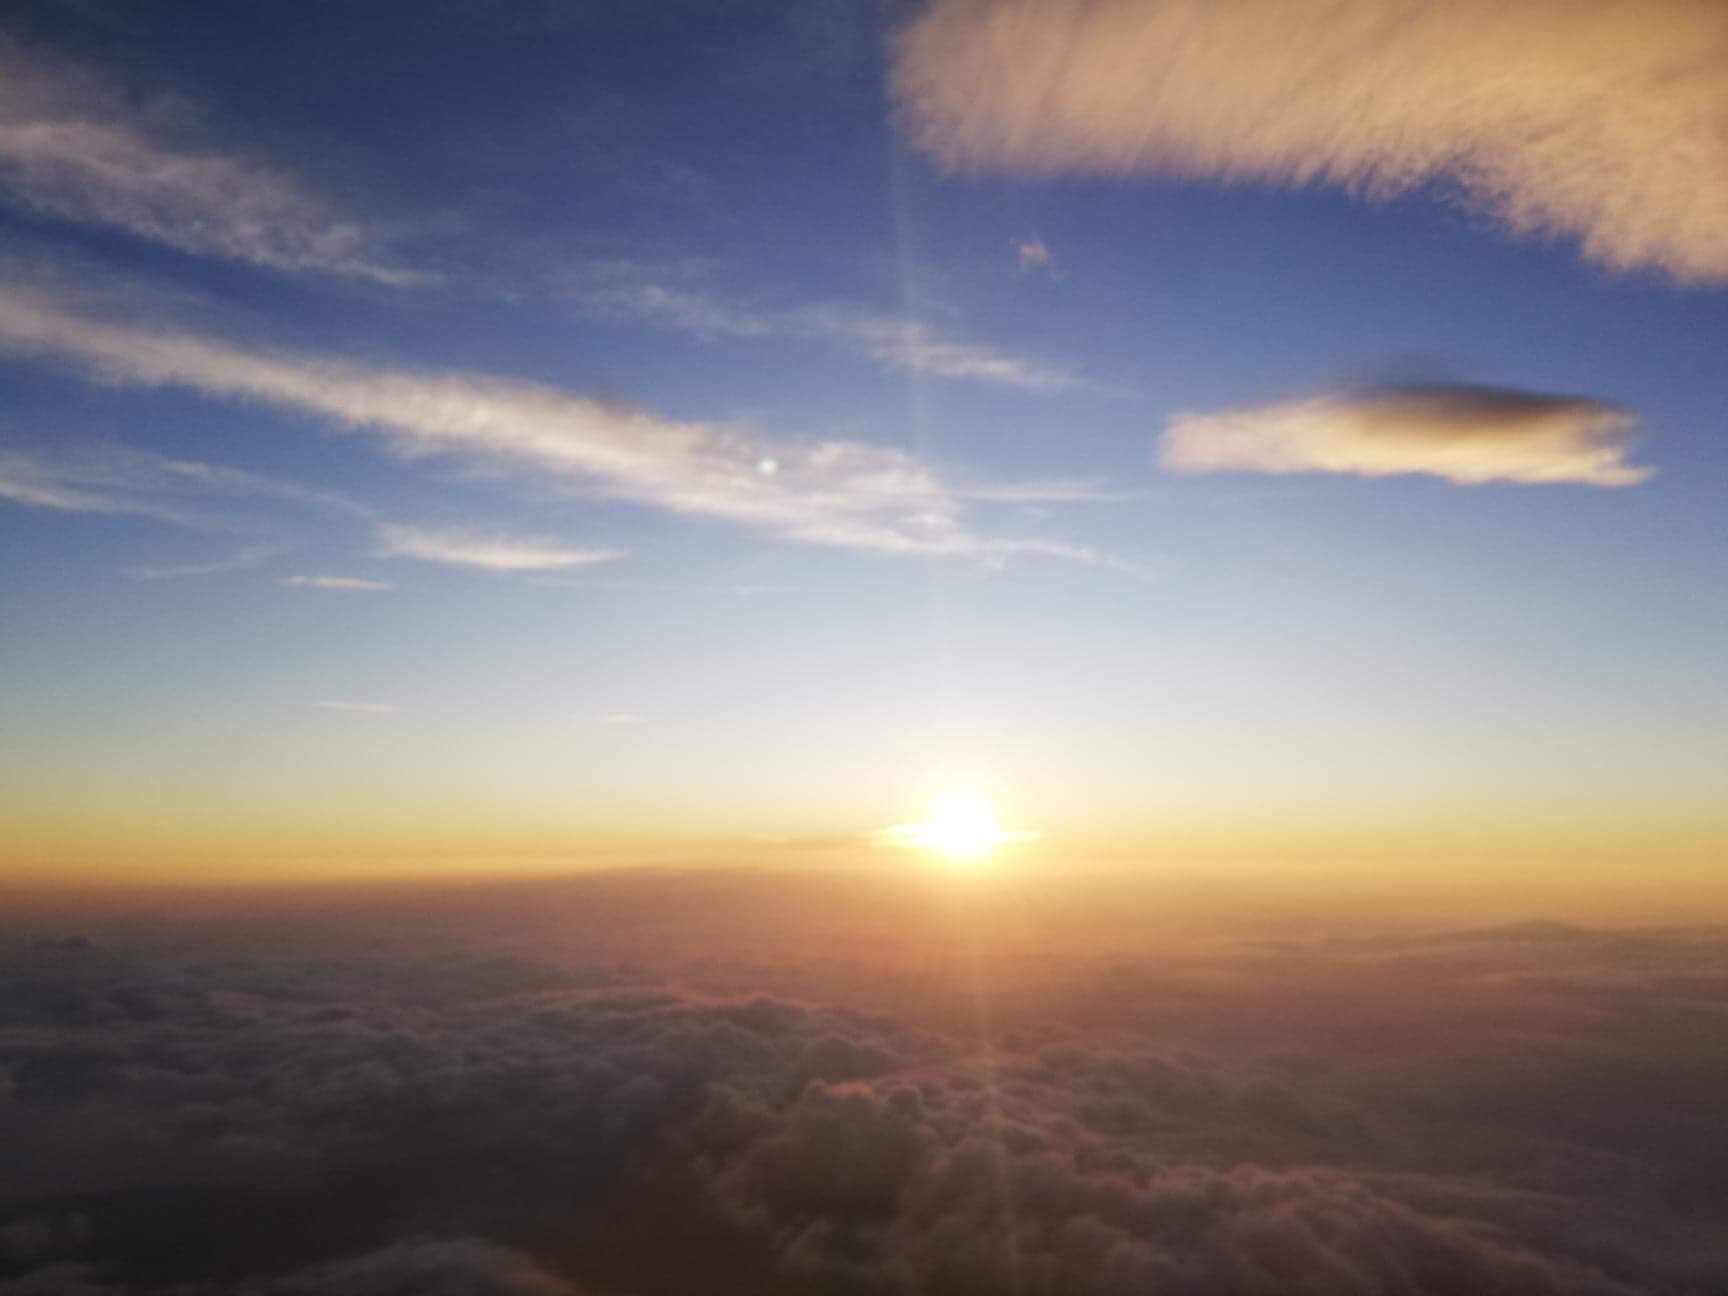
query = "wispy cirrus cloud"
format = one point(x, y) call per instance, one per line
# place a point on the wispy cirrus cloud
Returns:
point(844, 494)
point(351, 584)
point(107, 478)
point(74, 148)
point(239, 560)
point(1465, 434)
point(892, 341)
point(490, 550)
point(70, 486)
point(1594, 120)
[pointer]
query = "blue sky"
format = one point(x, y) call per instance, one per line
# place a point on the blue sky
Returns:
point(555, 424)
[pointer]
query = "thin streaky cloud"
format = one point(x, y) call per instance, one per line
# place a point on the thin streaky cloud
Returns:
point(239, 560)
point(1464, 434)
point(36, 481)
point(346, 583)
point(72, 148)
point(489, 550)
point(844, 494)
point(1597, 121)
point(103, 478)
point(893, 342)
point(362, 708)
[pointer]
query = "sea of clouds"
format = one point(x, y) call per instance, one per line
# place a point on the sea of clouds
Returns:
point(765, 1083)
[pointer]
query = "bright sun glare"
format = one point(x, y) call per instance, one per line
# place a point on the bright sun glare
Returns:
point(960, 826)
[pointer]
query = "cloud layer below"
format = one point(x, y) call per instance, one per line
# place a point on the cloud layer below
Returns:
point(1599, 121)
point(781, 1086)
point(1468, 435)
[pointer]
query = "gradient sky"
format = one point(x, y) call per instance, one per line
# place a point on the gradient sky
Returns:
point(596, 433)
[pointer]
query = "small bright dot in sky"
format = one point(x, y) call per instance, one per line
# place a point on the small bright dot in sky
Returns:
point(767, 465)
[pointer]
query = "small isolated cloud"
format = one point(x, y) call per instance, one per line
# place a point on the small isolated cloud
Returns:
point(74, 148)
point(1032, 254)
point(486, 549)
point(354, 583)
point(1599, 121)
point(363, 708)
point(1468, 435)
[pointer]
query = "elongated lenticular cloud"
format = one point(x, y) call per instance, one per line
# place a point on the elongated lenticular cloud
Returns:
point(1468, 435)
point(1597, 120)
point(845, 494)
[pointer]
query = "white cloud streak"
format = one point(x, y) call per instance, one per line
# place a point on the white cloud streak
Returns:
point(845, 494)
point(72, 148)
point(1595, 120)
point(893, 342)
point(489, 550)
point(112, 479)
point(353, 584)
point(38, 481)
point(1466, 435)
point(239, 560)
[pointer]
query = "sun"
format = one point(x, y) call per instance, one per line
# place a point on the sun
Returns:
point(960, 827)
